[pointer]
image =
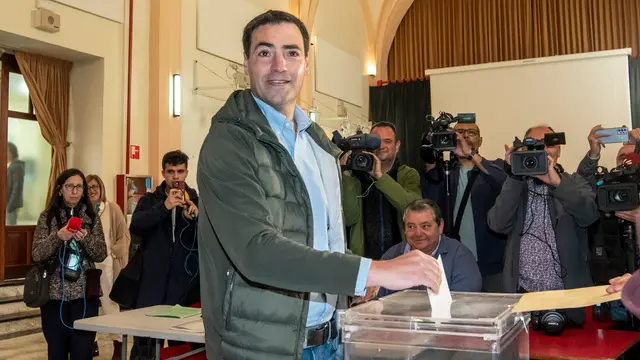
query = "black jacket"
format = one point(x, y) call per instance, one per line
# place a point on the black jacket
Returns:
point(486, 188)
point(169, 268)
point(572, 210)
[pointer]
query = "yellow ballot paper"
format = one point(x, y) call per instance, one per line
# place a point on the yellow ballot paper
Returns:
point(564, 299)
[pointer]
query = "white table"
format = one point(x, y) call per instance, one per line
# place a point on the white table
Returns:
point(137, 323)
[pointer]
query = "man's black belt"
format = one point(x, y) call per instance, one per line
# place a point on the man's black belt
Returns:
point(321, 334)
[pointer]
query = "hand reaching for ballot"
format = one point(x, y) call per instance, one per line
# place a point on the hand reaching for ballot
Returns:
point(414, 268)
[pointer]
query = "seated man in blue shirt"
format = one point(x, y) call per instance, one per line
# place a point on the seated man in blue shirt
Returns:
point(423, 227)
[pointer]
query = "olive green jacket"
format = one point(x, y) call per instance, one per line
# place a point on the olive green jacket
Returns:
point(257, 262)
point(399, 193)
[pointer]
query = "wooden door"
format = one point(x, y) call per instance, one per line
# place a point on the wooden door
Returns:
point(23, 192)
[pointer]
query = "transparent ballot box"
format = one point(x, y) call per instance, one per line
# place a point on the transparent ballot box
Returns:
point(401, 326)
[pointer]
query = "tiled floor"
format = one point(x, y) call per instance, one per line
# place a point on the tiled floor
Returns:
point(33, 347)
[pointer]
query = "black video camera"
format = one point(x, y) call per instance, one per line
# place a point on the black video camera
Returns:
point(357, 144)
point(439, 134)
point(533, 161)
point(618, 188)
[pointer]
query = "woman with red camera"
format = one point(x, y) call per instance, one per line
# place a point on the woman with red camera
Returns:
point(69, 239)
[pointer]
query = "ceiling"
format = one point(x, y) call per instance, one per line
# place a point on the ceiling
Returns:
point(375, 8)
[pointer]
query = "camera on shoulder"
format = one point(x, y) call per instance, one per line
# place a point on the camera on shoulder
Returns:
point(618, 188)
point(533, 161)
point(358, 144)
point(439, 134)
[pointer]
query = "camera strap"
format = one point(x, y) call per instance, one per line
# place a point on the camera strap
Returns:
point(463, 204)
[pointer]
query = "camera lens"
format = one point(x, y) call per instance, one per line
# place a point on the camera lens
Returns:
point(530, 162)
point(361, 161)
point(621, 196)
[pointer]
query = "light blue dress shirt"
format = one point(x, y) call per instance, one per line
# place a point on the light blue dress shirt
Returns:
point(304, 152)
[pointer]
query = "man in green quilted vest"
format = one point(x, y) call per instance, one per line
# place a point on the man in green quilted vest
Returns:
point(273, 267)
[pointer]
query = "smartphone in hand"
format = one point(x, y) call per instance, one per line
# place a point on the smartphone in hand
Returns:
point(180, 185)
point(614, 135)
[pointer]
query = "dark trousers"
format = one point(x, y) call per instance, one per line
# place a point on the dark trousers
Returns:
point(64, 343)
point(145, 348)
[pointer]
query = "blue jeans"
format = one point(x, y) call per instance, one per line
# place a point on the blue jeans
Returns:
point(329, 351)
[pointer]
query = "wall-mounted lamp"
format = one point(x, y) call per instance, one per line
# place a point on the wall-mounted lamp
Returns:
point(176, 96)
point(371, 69)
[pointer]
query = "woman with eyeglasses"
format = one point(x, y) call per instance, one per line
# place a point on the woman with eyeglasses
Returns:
point(72, 251)
point(117, 238)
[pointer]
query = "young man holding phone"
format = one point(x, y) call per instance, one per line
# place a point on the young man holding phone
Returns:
point(166, 222)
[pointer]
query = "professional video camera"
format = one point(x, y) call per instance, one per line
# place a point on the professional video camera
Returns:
point(358, 144)
point(618, 188)
point(533, 161)
point(439, 135)
point(438, 138)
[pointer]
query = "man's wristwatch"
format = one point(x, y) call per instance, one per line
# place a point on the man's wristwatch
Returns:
point(471, 155)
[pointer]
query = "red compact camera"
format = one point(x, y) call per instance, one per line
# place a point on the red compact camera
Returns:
point(75, 223)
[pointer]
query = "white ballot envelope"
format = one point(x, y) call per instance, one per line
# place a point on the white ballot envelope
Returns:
point(441, 302)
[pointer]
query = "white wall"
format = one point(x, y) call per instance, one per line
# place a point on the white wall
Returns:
point(341, 23)
point(140, 87)
point(86, 117)
point(571, 93)
point(111, 9)
point(99, 38)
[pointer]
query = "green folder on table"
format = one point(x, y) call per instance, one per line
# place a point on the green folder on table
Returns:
point(176, 312)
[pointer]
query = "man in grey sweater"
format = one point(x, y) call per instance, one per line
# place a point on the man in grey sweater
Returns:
point(546, 219)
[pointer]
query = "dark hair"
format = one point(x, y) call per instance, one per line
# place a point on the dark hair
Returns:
point(424, 205)
point(273, 17)
point(57, 200)
point(529, 130)
point(13, 150)
point(175, 158)
point(384, 124)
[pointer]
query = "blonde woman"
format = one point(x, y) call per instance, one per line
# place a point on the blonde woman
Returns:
point(117, 237)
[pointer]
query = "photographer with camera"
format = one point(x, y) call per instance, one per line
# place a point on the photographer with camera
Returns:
point(475, 184)
point(588, 167)
point(166, 221)
point(374, 197)
point(612, 240)
point(545, 213)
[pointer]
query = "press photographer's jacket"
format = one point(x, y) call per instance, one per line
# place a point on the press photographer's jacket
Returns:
point(398, 193)
point(572, 209)
point(167, 256)
point(484, 191)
